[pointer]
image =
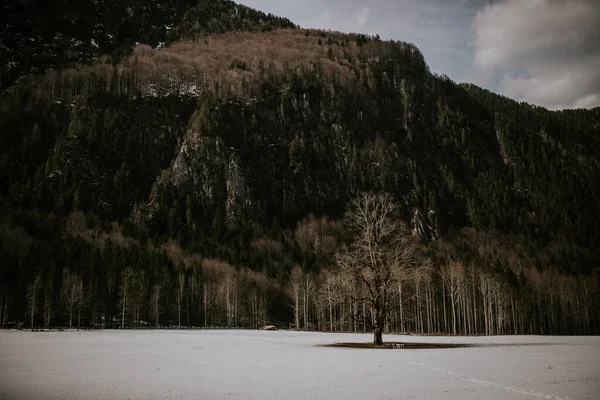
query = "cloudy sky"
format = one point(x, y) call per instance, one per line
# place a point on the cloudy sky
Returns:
point(545, 52)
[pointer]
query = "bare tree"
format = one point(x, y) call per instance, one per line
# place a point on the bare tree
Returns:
point(205, 301)
point(4, 309)
point(139, 287)
point(381, 245)
point(195, 289)
point(307, 289)
point(294, 288)
point(401, 275)
point(126, 278)
point(32, 292)
point(71, 294)
point(47, 308)
point(452, 276)
point(229, 282)
point(327, 294)
point(180, 294)
point(155, 298)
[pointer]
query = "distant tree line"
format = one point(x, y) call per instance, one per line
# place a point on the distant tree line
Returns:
point(89, 279)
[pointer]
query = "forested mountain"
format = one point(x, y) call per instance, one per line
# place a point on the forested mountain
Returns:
point(200, 178)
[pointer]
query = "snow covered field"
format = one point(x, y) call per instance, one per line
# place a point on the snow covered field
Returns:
point(288, 365)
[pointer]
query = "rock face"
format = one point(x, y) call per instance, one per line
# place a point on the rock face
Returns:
point(209, 170)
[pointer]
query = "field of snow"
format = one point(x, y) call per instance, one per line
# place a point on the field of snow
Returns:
point(289, 365)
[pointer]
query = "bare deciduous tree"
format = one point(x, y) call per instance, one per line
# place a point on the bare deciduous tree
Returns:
point(4, 309)
point(126, 278)
point(307, 290)
point(401, 275)
point(139, 287)
point(180, 294)
point(328, 295)
point(294, 288)
point(155, 298)
point(381, 245)
point(452, 276)
point(71, 293)
point(32, 292)
point(47, 308)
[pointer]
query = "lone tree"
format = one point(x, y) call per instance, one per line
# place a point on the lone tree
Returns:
point(382, 246)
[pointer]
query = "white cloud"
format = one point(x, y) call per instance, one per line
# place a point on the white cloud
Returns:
point(546, 52)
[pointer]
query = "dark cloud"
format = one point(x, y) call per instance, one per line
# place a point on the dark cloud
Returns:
point(546, 52)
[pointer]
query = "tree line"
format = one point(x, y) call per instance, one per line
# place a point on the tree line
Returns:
point(94, 281)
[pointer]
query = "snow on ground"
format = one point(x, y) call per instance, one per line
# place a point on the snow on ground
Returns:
point(289, 365)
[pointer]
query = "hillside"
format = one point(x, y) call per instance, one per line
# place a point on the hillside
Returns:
point(37, 35)
point(192, 178)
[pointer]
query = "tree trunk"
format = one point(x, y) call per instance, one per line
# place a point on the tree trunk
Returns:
point(341, 315)
point(155, 300)
point(253, 310)
point(378, 337)
point(402, 329)
point(205, 306)
point(453, 314)
point(180, 294)
point(330, 307)
point(364, 317)
point(514, 319)
point(5, 310)
point(297, 309)
point(474, 302)
point(32, 311)
point(464, 313)
point(123, 312)
point(354, 310)
point(444, 305)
